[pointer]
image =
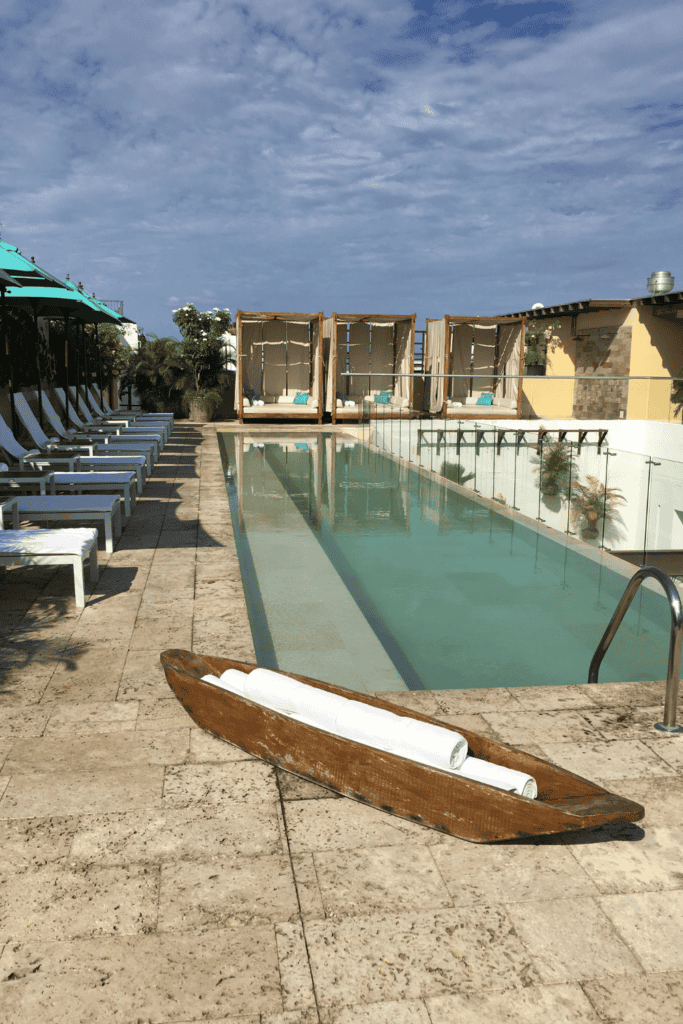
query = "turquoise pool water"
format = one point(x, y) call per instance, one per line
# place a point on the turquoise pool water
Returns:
point(341, 548)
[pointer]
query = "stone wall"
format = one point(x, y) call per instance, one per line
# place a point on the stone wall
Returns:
point(602, 352)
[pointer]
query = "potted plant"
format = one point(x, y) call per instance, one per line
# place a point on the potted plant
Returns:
point(538, 335)
point(593, 504)
point(555, 467)
point(200, 367)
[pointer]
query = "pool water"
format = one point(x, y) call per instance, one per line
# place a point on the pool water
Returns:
point(367, 573)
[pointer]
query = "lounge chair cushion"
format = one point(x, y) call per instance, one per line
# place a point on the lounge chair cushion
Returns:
point(53, 542)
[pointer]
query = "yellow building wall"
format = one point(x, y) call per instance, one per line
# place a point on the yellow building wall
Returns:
point(656, 351)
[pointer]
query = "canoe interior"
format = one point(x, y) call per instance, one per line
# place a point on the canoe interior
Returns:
point(566, 802)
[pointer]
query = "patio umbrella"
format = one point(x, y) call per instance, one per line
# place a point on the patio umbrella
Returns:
point(5, 281)
point(43, 294)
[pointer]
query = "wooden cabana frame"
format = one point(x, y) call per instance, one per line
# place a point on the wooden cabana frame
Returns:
point(467, 345)
point(394, 353)
point(279, 354)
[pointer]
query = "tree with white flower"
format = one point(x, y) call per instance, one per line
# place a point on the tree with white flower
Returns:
point(201, 365)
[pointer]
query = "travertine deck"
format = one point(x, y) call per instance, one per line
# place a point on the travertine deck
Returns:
point(151, 873)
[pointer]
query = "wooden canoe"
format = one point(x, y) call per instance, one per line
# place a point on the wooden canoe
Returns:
point(450, 803)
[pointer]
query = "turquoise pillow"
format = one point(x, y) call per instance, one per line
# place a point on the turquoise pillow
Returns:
point(301, 398)
point(484, 400)
point(302, 447)
point(384, 398)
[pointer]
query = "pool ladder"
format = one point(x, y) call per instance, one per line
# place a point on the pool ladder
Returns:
point(673, 674)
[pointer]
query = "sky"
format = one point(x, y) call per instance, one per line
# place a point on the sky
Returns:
point(357, 156)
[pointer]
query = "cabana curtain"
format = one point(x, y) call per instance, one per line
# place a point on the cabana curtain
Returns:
point(436, 354)
point(276, 356)
point(509, 350)
point(483, 356)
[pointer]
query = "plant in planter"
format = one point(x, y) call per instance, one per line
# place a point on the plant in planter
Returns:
point(677, 394)
point(199, 368)
point(555, 467)
point(592, 504)
point(150, 371)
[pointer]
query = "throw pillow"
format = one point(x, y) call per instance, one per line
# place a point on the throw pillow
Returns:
point(301, 398)
point(484, 400)
point(251, 395)
point(384, 399)
point(341, 397)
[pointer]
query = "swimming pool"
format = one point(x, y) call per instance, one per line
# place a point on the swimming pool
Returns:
point(364, 572)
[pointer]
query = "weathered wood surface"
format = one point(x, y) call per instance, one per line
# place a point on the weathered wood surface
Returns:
point(452, 804)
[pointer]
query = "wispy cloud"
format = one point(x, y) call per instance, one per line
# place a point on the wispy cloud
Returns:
point(436, 157)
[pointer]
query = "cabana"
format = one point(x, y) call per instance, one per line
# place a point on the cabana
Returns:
point(488, 355)
point(378, 347)
point(279, 360)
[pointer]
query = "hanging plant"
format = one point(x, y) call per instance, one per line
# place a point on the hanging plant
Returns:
point(592, 504)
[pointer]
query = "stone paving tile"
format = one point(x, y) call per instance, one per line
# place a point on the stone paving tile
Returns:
point(29, 843)
point(44, 794)
point(554, 698)
point(647, 860)
point(475, 874)
point(163, 713)
point(294, 788)
point(161, 633)
point(176, 835)
point(76, 902)
point(6, 744)
point(205, 748)
point(650, 923)
point(540, 726)
point(637, 998)
point(23, 721)
point(572, 939)
point(229, 971)
point(295, 969)
point(474, 723)
point(142, 677)
point(227, 892)
point(542, 1004)
point(345, 825)
point(388, 879)
point(73, 718)
point(450, 702)
point(220, 785)
point(415, 956)
point(408, 1011)
point(625, 723)
point(98, 751)
point(623, 695)
point(620, 759)
point(661, 797)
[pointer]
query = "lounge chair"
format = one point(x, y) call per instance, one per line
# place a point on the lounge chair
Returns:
point(134, 415)
point(119, 427)
point(123, 484)
point(74, 508)
point(154, 420)
point(116, 433)
point(90, 444)
point(72, 461)
point(53, 547)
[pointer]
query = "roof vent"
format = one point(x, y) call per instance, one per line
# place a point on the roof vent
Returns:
point(660, 282)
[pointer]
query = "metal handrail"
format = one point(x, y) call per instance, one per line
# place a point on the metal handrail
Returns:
point(673, 674)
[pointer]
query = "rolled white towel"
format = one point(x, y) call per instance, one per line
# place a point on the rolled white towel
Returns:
point(430, 744)
point(350, 405)
point(499, 776)
point(365, 724)
point(275, 691)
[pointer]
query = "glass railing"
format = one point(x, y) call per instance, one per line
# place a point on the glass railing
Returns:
point(579, 397)
point(567, 476)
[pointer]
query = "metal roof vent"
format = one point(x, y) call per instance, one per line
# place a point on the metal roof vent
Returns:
point(660, 282)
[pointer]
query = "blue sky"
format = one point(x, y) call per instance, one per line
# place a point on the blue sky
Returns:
point(380, 156)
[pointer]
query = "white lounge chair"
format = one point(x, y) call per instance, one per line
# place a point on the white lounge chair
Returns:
point(134, 415)
point(156, 422)
point(113, 433)
point(88, 444)
point(72, 461)
point(120, 428)
point(74, 508)
point(123, 484)
point(52, 547)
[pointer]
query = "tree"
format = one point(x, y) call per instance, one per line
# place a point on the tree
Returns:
point(151, 370)
point(200, 365)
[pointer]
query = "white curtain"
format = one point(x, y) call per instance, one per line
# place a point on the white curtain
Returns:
point(382, 358)
point(484, 356)
point(405, 344)
point(359, 359)
point(509, 361)
point(434, 364)
point(329, 344)
point(459, 362)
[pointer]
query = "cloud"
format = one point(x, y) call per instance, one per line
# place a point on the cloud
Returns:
point(342, 155)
